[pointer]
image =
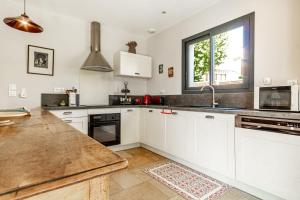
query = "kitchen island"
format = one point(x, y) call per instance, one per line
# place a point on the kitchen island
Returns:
point(43, 158)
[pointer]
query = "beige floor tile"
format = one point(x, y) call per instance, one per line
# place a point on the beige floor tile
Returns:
point(126, 179)
point(235, 194)
point(124, 154)
point(177, 198)
point(144, 191)
point(167, 191)
point(134, 184)
point(114, 187)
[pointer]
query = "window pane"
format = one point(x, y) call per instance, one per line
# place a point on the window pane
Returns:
point(199, 63)
point(228, 57)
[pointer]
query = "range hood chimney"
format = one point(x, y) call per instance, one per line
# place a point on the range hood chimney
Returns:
point(95, 61)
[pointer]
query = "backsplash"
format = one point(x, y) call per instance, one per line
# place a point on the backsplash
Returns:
point(55, 99)
point(237, 100)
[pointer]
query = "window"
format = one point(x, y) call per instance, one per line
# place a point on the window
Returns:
point(222, 56)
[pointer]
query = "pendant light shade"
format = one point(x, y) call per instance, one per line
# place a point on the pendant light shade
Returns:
point(23, 23)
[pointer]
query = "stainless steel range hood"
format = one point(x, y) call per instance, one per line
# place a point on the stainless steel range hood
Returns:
point(95, 61)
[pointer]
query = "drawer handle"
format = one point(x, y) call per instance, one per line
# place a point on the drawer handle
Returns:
point(68, 121)
point(67, 113)
point(136, 73)
point(129, 110)
point(209, 117)
point(150, 111)
point(168, 113)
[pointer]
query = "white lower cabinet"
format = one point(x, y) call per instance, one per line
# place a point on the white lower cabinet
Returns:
point(154, 128)
point(130, 125)
point(215, 143)
point(79, 123)
point(180, 135)
point(269, 161)
point(75, 118)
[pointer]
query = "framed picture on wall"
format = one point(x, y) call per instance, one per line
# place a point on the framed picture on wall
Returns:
point(171, 72)
point(40, 60)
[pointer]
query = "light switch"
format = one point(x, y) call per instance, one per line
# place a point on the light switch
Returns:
point(12, 86)
point(12, 90)
point(12, 93)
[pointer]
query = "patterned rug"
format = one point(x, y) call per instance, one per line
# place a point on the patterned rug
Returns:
point(188, 183)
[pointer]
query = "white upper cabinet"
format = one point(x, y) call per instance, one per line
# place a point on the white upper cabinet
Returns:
point(134, 65)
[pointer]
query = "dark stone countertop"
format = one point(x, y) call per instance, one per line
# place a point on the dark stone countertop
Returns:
point(235, 111)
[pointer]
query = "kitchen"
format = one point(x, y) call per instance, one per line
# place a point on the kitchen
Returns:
point(180, 125)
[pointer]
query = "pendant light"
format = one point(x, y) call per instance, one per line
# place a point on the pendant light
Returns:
point(23, 23)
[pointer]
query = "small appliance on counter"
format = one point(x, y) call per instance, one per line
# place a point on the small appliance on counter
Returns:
point(147, 99)
point(158, 100)
point(277, 98)
point(125, 100)
point(72, 97)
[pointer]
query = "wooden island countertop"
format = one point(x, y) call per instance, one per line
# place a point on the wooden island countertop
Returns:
point(41, 153)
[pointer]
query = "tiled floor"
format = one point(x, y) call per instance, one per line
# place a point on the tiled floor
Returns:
point(134, 184)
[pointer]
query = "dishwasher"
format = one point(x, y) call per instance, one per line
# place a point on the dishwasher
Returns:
point(284, 126)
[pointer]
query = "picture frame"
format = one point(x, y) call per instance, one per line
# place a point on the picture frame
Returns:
point(171, 72)
point(160, 68)
point(40, 60)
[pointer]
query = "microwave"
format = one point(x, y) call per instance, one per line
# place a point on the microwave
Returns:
point(281, 98)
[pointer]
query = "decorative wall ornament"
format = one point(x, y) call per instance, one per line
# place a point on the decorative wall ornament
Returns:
point(132, 46)
point(160, 68)
point(171, 72)
point(40, 61)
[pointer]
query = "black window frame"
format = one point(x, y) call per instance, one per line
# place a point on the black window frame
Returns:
point(248, 85)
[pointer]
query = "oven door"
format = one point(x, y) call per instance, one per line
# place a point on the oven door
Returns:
point(107, 133)
point(275, 98)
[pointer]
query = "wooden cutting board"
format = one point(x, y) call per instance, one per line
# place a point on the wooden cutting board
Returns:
point(6, 123)
point(12, 114)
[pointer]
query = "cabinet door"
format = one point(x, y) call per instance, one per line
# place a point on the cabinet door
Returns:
point(154, 128)
point(135, 65)
point(215, 143)
point(180, 135)
point(80, 123)
point(269, 161)
point(130, 125)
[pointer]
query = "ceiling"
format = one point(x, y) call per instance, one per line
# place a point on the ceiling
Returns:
point(136, 16)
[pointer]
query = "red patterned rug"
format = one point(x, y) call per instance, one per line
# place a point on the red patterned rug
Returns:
point(188, 183)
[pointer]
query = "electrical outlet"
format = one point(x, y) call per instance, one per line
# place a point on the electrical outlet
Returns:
point(292, 82)
point(59, 90)
point(267, 81)
point(12, 86)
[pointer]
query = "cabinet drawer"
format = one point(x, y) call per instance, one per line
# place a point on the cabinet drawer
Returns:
point(69, 113)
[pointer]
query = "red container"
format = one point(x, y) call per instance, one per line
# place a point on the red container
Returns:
point(147, 99)
point(138, 101)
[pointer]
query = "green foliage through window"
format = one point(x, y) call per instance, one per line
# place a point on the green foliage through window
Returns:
point(202, 55)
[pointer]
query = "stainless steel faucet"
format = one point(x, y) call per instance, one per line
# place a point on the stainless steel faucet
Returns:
point(214, 103)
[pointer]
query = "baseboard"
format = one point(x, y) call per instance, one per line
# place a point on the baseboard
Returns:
point(246, 188)
point(124, 147)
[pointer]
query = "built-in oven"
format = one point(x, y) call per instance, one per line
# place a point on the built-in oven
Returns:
point(105, 128)
point(285, 98)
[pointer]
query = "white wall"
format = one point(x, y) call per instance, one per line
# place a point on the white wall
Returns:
point(277, 40)
point(70, 37)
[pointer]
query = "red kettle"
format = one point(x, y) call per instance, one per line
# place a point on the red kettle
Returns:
point(147, 99)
